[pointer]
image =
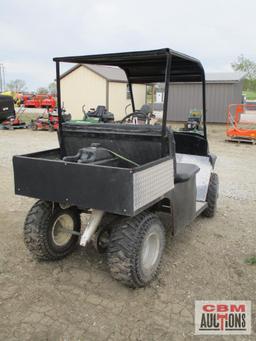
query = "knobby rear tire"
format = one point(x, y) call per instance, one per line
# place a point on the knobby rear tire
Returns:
point(38, 231)
point(126, 245)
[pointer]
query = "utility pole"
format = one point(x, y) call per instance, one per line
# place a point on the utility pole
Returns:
point(2, 78)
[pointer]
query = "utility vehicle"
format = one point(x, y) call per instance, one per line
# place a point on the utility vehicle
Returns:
point(123, 175)
point(6, 107)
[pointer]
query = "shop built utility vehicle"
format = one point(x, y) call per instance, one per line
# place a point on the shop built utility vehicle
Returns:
point(125, 176)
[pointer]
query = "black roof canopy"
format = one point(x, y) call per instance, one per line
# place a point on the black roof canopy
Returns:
point(146, 66)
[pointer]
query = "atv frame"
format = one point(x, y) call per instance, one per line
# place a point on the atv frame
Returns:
point(153, 170)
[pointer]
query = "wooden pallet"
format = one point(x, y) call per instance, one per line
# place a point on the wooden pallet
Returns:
point(241, 140)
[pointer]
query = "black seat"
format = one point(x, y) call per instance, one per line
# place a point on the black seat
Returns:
point(184, 171)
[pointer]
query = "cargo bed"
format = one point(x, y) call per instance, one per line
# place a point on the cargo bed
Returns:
point(115, 186)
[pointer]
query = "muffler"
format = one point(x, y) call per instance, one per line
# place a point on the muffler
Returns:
point(91, 226)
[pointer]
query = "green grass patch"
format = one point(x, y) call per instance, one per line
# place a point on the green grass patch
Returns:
point(251, 95)
point(251, 260)
point(28, 116)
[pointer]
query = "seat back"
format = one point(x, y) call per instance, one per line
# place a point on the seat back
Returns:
point(190, 143)
point(141, 144)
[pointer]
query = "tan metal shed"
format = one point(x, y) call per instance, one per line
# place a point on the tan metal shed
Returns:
point(93, 85)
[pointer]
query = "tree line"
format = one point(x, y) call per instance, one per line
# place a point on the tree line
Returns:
point(249, 68)
point(241, 64)
point(19, 85)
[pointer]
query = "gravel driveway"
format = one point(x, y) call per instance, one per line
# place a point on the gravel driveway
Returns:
point(76, 299)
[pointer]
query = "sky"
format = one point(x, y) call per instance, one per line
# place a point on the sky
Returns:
point(33, 32)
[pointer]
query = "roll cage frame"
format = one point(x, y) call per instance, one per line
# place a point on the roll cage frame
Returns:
point(144, 67)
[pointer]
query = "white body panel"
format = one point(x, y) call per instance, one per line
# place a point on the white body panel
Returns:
point(203, 176)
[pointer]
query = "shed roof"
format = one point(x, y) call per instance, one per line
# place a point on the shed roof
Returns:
point(110, 73)
point(224, 77)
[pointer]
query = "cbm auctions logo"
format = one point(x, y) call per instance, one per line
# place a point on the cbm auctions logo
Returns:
point(222, 317)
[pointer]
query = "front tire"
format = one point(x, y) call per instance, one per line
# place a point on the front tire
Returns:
point(47, 230)
point(135, 249)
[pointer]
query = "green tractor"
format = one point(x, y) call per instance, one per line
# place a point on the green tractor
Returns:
point(194, 121)
point(100, 115)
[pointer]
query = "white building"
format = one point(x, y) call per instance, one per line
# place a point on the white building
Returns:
point(93, 85)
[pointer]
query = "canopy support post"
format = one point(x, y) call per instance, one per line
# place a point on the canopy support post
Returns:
point(166, 94)
point(131, 94)
point(204, 102)
point(60, 118)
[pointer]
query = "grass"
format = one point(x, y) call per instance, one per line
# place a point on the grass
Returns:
point(29, 115)
point(250, 94)
point(251, 260)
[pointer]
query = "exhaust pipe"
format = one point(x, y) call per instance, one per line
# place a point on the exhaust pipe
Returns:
point(91, 226)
